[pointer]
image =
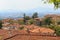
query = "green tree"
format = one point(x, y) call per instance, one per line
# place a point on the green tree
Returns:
point(47, 21)
point(55, 2)
point(35, 15)
point(57, 30)
point(0, 24)
point(24, 18)
point(27, 17)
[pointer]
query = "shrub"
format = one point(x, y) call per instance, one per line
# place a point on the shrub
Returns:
point(0, 24)
point(51, 26)
point(31, 21)
point(27, 17)
point(48, 21)
point(57, 30)
point(21, 28)
point(21, 22)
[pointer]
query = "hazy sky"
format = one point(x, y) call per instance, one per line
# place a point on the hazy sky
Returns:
point(28, 6)
point(19, 4)
point(24, 5)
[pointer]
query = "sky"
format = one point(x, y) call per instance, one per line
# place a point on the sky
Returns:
point(16, 7)
point(19, 4)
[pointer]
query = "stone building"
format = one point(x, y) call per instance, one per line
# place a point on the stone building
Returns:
point(38, 21)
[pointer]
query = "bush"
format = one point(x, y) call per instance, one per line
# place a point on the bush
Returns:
point(58, 23)
point(31, 21)
point(21, 22)
point(57, 30)
point(27, 17)
point(21, 28)
point(51, 26)
point(0, 24)
point(47, 21)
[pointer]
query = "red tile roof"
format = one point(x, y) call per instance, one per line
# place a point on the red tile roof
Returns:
point(42, 30)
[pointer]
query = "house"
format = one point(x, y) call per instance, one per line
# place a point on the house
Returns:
point(6, 20)
point(38, 21)
point(8, 26)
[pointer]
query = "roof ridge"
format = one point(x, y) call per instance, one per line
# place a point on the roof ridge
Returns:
point(11, 37)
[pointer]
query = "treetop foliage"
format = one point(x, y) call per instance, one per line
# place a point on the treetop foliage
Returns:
point(55, 2)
